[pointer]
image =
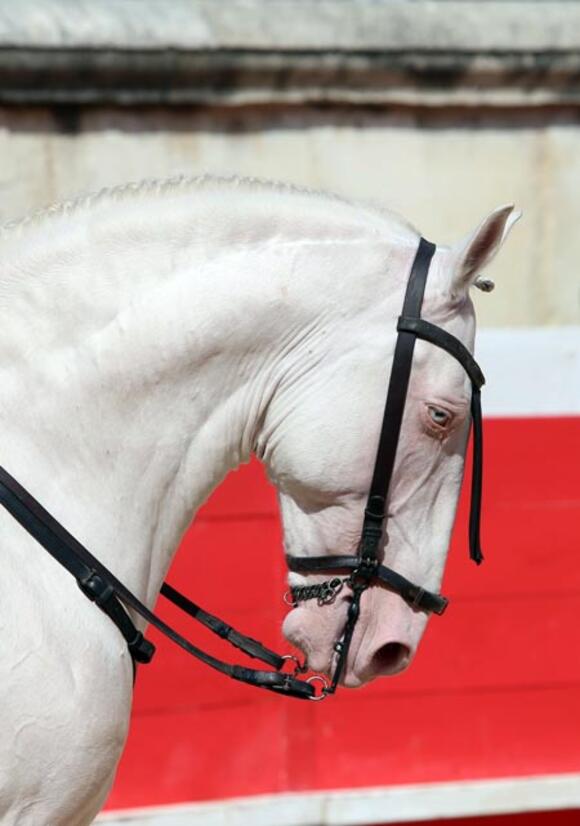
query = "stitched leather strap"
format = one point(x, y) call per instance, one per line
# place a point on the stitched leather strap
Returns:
point(441, 338)
point(475, 551)
point(108, 593)
point(249, 646)
point(39, 524)
point(412, 594)
point(395, 404)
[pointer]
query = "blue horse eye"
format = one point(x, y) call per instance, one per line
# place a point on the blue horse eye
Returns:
point(439, 416)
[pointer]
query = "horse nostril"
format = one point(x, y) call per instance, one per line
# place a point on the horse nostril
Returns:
point(391, 658)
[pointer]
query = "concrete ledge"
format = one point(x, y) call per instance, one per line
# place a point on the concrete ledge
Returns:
point(369, 52)
point(396, 804)
point(293, 25)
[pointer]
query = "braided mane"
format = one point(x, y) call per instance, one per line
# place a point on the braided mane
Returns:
point(168, 187)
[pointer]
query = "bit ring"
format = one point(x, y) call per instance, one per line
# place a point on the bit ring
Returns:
point(300, 668)
point(325, 685)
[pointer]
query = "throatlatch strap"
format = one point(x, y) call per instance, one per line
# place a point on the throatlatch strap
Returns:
point(444, 340)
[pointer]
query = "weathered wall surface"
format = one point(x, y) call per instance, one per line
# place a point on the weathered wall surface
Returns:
point(442, 175)
point(441, 111)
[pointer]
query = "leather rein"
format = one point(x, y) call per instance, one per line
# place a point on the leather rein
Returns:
point(113, 598)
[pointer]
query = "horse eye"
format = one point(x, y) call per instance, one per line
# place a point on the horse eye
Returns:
point(439, 416)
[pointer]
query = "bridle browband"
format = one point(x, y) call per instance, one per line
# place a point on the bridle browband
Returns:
point(115, 599)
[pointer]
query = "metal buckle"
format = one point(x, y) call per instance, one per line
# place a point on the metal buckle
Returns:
point(329, 590)
point(361, 577)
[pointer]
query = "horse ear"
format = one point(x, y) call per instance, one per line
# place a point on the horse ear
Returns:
point(477, 249)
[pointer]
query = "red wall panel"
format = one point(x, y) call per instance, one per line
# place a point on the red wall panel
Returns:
point(494, 691)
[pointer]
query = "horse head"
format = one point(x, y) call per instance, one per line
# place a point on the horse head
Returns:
point(319, 439)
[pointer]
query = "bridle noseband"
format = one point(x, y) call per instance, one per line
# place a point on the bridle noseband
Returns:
point(101, 586)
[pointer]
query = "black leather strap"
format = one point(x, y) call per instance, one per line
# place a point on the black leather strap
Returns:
point(413, 594)
point(98, 590)
point(444, 340)
point(249, 646)
point(475, 551)
point(395, 404)
point(108, 593)
point(321, 564)
point(343, 644)
point(441, 338)
point(82, 565)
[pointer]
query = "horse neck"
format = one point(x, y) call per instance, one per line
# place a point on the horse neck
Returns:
point(134, 376)
point(122, 415)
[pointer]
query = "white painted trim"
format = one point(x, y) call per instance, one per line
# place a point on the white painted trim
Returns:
point(530, 371)
point(389, 804)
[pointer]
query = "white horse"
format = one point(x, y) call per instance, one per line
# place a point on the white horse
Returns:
point(152, 338)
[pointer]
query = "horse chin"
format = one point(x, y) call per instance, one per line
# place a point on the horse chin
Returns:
point(351, 680)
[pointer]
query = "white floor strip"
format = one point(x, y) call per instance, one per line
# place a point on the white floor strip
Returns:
point(395, 804)
point(530, 371)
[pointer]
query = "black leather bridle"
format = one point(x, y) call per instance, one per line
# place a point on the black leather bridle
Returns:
point(364, 567)
point(114, 598)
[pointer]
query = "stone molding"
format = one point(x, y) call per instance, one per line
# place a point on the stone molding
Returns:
point(494, 53)
point(292, 25)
